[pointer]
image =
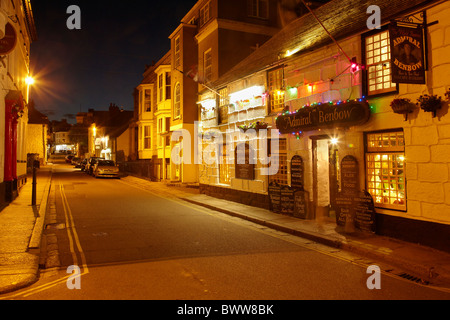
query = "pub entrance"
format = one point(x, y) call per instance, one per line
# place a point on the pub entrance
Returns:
point(325, 177)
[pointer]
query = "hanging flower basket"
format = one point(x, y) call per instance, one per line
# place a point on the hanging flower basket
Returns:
point(402, 106)
point(430, 103)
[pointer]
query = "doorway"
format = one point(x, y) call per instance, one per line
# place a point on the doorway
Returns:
point(325, 177)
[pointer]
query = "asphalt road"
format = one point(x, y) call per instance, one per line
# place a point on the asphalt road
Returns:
point(130, 243)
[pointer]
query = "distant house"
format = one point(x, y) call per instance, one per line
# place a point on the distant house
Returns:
point(60, 137)
point(104, 129)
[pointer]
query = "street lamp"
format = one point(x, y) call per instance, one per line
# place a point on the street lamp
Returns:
point(29, 80)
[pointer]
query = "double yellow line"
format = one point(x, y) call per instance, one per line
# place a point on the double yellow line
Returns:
point(73, 241)
point(72, 233)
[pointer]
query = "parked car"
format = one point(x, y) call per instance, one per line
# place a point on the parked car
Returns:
point(69, 158)
point(83, 164)
point(76, 162)
point(106, 168)
point(90, 164)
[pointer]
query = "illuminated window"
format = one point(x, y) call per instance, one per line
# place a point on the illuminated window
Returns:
point(385, 169)
point(258, 8)
point(223, 106)
point(148, 100)
point(378, 63)
point(177, 101)
point(147, 137)
point(224, 166)
point(276, 89)
point(280, 158)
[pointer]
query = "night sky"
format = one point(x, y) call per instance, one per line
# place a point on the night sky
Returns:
point(102, 63)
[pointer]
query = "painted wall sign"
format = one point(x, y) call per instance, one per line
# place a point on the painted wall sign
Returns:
point(297, 172)
point(326, 115)
point(8, 42)
point(407, 58)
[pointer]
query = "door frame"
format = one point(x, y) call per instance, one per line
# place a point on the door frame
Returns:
point(333, 175)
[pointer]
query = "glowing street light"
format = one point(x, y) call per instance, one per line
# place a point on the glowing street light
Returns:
point(29, 80)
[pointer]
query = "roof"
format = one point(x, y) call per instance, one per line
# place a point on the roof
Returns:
point(342, 18)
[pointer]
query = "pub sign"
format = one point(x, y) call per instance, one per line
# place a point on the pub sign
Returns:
point(407, 54)
point(325, 115)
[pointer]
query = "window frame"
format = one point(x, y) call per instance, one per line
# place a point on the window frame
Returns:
point(281, 177)
point(207, 68)
point(224, 166)
point(147, 103)
point(256, 4)
point(222, 103)
point(388, 163)
point(204, 14)
point(365, 72)
point(160, 86)
point(276, 90)
point(177, 101)
point(177, 49)
point(147, 135)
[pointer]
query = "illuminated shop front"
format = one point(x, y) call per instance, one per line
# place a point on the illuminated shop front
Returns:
point(363, 138)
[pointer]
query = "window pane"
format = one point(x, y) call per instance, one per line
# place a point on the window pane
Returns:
point(385, 174)
point(378, 56)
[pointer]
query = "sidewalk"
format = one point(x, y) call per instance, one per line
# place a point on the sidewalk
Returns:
point(21, 227)
point(408, 260)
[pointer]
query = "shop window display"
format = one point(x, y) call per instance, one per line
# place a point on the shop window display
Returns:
point(385, 169)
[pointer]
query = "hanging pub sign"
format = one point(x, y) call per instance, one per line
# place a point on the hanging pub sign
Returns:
point(407, 54)
point(324, 115)
point(8, 42)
